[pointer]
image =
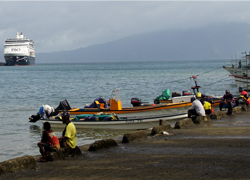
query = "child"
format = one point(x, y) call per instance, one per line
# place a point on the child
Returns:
point(49, 141)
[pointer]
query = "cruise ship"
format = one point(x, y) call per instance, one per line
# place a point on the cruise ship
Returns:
point(19, 51)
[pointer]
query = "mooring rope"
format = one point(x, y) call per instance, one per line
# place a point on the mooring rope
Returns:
point(217, 81)
point(191, 77)
point(209, 71)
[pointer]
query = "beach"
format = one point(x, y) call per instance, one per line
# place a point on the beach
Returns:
point(218, 149)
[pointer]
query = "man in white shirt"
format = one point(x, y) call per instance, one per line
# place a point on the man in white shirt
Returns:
point(196, 109)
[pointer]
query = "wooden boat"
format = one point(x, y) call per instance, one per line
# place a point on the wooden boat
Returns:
point(136, 117)
point(240, 71)
point(141, 122)
point(186, 98)
point(142, 110)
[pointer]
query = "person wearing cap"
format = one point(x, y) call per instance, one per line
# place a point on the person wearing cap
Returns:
point(207, 104)
point(68, 138)
point(244, 95)
point(198, 95)
point(227, 102)
point(196, 109)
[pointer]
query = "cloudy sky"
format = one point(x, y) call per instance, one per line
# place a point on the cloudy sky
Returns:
point(64, 25)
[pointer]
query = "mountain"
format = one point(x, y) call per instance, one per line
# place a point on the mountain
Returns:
point(217, 41)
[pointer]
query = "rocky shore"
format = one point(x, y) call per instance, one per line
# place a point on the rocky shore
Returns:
point(216, 149)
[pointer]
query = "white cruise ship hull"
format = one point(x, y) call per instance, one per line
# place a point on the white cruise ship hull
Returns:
point(19, 51)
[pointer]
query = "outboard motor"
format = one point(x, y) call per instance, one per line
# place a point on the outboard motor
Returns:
point(136, 102)
point(34, 118)
point(63, 105)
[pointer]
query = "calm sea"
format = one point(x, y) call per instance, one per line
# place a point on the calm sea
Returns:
point(25, 89)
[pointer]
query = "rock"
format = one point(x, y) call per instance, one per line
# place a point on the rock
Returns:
point(218, 115)
point(244, 107)
point(237, 110)
point(62, 153)
point(200, 119)
point(183, 124)
point(102, 144)
point(156, 135)
point(134, 136)
point(159, 129)
point(17, 164)
point(208, 118)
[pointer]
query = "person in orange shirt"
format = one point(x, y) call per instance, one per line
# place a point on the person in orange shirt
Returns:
point(49, 141)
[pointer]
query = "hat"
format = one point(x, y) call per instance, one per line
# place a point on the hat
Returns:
point(192, 99)
point(241, 88)
point(65, 114)
point(198, 94)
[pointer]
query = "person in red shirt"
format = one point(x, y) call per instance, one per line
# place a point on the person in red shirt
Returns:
point(49, 141)
point(244, 95)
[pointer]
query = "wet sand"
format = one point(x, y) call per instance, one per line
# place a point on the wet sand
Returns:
point(219, 149)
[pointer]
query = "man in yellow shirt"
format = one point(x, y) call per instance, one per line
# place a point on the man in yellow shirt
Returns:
point(68, 138)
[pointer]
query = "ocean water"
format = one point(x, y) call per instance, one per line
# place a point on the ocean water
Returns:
point(25, 89)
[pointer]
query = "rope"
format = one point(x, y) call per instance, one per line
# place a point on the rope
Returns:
point(191, 77)
point(209, 71)
point(177, 80)
point(217, 81)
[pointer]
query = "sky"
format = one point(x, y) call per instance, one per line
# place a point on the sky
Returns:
point(68, 25)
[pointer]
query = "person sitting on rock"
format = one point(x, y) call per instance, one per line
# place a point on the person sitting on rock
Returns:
point(207, 104)
point(49, 142)
point(196, 109)
point(68, 138)
point(244, 96)
point(227, 102)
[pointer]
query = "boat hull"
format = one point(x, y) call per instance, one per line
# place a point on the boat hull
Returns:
point(141, 117)
point(242, 81)
point(161, 109)
point(130, 123)
point(19, 60)
point(240, 76)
